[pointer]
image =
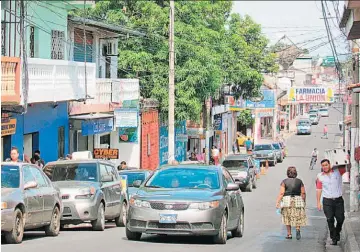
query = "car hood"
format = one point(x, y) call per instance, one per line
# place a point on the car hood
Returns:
point(158, 194)
point(75, 184)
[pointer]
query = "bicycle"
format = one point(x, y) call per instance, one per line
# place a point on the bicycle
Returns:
point(312, 163)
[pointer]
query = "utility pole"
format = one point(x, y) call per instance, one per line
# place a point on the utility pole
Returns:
point(171, 137)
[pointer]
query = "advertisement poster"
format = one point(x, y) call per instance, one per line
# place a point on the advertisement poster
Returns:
point(310, 95)
point(268, 100)
point(126, 117)
point(128, 135)
point(104, 153)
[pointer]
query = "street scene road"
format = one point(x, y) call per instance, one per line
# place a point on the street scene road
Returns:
point(263, 228)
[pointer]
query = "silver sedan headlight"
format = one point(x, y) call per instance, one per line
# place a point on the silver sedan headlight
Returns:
point(204, 205)
point(139, 203)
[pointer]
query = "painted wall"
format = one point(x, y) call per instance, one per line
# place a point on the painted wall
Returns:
point(46, 16)
point(46, 120)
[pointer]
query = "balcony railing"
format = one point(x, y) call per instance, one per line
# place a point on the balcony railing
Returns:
point(60, 80)
point(10, 80)
point(110, 93)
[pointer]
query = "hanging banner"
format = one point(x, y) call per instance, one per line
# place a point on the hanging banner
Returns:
point(104, 153)
point(266, 112)
point(126, 117)
point(310, 95)
point(128, 135)
point(97, 126)
point(268, 100)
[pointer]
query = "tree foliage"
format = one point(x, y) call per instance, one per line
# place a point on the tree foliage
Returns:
point(212, 48)
point(245, 118)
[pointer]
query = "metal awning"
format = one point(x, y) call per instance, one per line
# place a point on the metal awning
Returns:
point(91, 116)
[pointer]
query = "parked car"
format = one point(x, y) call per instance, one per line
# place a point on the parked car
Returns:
point(324, 112)
point(135, 175)
point(303, 126)
point(278, 152)
point(91, 191)
point(28, 201)
point(187, 200)
point(265, 152)
point(314, 111)
point(243, 171)
point(314, 119)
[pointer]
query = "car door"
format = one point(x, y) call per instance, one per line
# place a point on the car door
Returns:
point(232, 199)
point(106, 188)
point(115, 190)
point(47, 191)
point(33, 199)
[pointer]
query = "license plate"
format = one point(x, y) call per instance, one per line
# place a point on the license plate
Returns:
point(168, 218)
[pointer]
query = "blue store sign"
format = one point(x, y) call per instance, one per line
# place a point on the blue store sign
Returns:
point(218, 122)
point(180, 145)
point(267, 102)
point(97, 126)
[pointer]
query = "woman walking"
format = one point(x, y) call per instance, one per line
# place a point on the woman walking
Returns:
point(291, 200)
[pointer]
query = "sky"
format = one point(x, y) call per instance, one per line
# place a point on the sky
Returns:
point(299, 20)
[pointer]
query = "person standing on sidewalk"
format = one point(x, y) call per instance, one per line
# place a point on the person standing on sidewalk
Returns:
point(39, 159)
point(14, 155)
point(329, 186)
point(248, 144)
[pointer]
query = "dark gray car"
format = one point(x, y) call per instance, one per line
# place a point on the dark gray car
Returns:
point(187, 200)
point(28, 201)
point(265, 152)
point(242, 169)
point(91, 191)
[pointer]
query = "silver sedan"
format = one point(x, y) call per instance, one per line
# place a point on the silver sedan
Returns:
point(28, 201)
point(187, 200)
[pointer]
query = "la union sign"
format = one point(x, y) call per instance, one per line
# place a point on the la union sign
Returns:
point(310, 95)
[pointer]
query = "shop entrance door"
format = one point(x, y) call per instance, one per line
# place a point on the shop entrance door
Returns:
point(6, 147)
point(31, 143)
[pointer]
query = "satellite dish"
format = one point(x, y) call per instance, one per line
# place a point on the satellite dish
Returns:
point(257, 99)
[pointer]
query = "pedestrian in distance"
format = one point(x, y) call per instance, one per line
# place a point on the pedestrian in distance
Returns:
point(329, 188)
point(291, 201)
point(14, 155)
point(325, 132)
point(39, 159)
point(215, 155)
point(248, 145)
point(314, 157)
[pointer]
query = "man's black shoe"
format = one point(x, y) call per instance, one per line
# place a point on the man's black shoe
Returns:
point(334, 242)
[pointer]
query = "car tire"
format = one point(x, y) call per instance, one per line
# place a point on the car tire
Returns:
point(53, 228)
point(239, 231)
point(132, 236)
point(249, 187)
point(99, 223)
point(281, 159)
point(221, 237)
point(15, 236)
point(121, 220)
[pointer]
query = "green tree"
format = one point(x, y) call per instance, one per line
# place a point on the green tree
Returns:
point(245, 118)
point(212, 47)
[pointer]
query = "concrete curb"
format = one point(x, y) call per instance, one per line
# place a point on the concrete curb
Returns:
point(350, 243)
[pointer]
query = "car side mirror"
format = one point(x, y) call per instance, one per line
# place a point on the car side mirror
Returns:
point(30, 185)
point(137, 183)
point(232, 187)
point(107, 178)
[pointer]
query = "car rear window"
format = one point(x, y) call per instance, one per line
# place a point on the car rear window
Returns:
point(277, 146)
point(10, 176)
point(235, 164)
point(185, 178)
point(68, 172)
point(133, 176)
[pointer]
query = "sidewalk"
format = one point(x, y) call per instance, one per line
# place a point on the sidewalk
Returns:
point(351, 226)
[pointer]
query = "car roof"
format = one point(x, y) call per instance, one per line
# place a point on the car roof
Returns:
point(19, 164)
point(79, 161)
point(238, 157)
point(134, 170)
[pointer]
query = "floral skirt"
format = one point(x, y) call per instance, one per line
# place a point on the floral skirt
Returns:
point(294, 216)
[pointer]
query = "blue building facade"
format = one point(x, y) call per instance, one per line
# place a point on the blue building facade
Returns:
point(44, 127)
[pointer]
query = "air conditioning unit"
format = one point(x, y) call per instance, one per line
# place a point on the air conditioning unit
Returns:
point(110, 48)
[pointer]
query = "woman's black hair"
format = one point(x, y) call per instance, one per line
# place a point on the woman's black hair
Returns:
point(291, 172)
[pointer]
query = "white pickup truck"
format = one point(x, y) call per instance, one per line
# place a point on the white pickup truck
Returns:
point(337, 156)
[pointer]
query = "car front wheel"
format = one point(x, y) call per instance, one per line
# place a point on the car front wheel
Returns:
point(121, 220)
point(99, 223)
point(16, 235)
point(239, 231)
point(132, 236)
point(53, 228)
point(221, 237)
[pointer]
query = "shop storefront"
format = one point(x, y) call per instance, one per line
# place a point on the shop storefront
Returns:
point(44, 127)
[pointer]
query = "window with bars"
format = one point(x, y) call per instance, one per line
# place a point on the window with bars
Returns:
point(57, 44)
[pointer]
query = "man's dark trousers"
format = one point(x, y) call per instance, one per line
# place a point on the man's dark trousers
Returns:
point(334, 209)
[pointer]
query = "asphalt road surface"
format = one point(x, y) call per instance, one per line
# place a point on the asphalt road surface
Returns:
point(263, 228)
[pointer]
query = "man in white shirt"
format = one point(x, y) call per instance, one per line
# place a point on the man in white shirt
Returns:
point(329, 186)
